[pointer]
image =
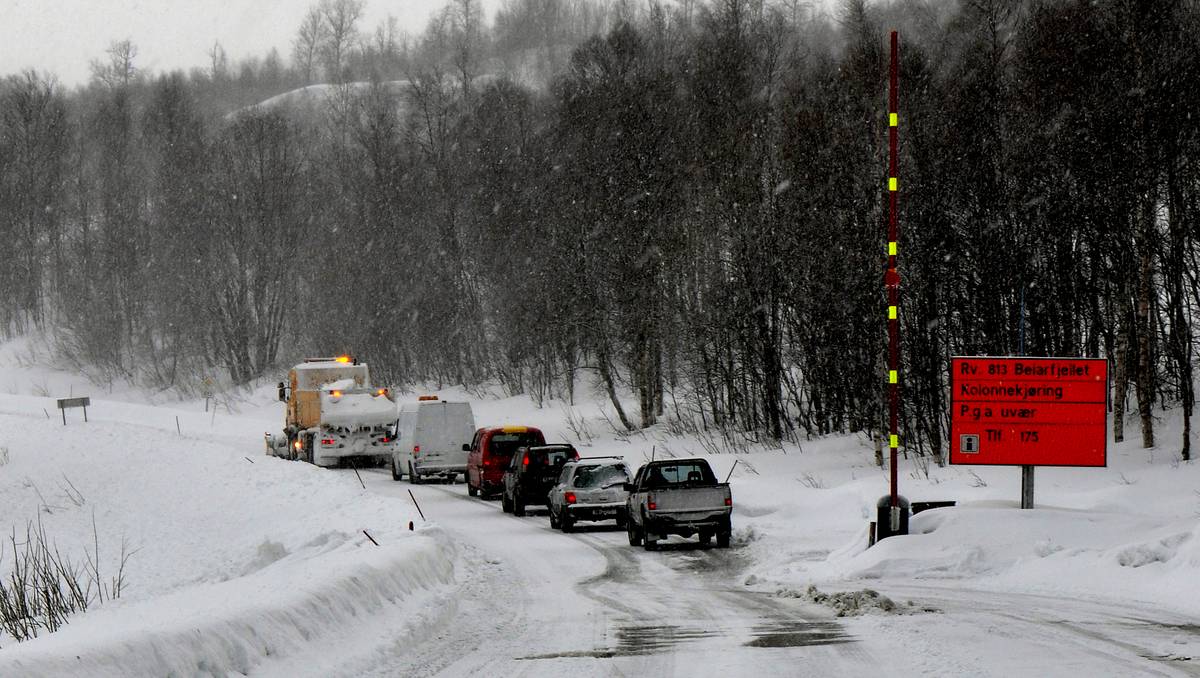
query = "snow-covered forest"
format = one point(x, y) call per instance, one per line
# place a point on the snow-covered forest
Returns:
point(685, 199)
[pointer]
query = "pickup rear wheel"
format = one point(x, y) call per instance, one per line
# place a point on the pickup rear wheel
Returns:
point(649, 540)
point(705, 537)
point(635, 537)
point(723, 534)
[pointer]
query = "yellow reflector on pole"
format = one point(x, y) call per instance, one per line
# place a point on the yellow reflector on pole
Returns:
point(895, 440)
point(893, 183)
point(891, 249)
point(893, 119)
point(893, 377)
point(891, 312)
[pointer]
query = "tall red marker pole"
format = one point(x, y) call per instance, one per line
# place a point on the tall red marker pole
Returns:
point(892, 282)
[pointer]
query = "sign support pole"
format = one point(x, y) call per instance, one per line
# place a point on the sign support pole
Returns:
point(1027, 469)
point(1027, 486)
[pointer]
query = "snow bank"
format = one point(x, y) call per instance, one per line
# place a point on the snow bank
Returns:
point(239, 559)
point(236, 626)
point(1127, 532)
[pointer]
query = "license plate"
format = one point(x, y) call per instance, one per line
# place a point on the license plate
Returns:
point(606, 512)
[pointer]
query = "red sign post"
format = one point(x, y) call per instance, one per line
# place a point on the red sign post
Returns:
point(1028, 411)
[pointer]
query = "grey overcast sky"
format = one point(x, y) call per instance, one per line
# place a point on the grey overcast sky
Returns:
point(63, 36)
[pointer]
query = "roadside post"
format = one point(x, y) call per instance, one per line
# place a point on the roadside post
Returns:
point(65, 403)
point(892, 510)
point(206, 390)
point(1028, 412)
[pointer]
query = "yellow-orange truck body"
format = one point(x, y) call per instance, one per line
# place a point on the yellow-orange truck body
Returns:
point(333, 412)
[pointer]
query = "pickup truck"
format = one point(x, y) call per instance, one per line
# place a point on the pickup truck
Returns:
point(677, 496)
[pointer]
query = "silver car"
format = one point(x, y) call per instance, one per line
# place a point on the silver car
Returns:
point(592, 489)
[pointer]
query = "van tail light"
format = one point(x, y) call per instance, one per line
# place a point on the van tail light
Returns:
point(650, 503)
point(729, 501)
point(569, 497)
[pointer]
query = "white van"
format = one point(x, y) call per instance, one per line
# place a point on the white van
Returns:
point(430, 437)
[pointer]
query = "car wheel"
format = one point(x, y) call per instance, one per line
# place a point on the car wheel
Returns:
point(635, 539)
point(395, 471)
point(568, 524)
point(518, 506)
point(554, 522)
point(505, 504)
point(471, 491)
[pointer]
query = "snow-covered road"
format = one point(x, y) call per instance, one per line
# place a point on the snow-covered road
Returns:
point(535, 602)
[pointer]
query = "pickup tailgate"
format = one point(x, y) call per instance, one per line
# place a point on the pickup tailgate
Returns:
point(681, 502)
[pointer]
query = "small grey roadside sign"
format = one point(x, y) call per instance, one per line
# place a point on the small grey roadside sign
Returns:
point(64, 403)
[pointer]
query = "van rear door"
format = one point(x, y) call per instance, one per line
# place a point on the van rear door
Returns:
point(441, 430)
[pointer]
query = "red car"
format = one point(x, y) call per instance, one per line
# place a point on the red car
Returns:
point(490, 452)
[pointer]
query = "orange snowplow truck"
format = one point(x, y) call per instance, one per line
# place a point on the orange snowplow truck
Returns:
point(334, 414)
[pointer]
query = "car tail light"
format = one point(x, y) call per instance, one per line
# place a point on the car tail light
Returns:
point(328, 441)
point(650, 503)
point(729, 501)
point(569, 497)
point(527, 460)
point(385, 439)
point(416, 450)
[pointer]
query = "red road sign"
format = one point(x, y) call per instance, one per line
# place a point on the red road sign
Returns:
point(1029, 411)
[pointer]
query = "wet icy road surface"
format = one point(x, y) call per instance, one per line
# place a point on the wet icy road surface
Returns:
point(537, 602)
